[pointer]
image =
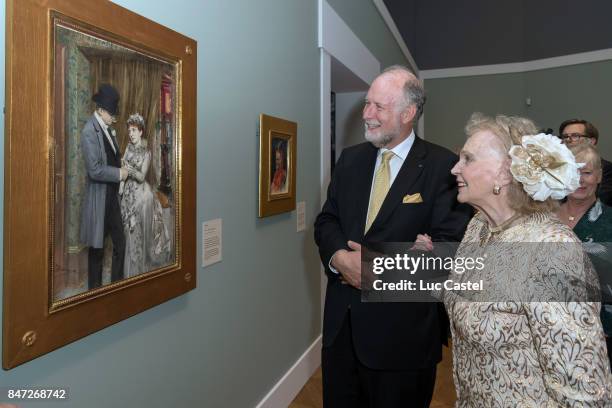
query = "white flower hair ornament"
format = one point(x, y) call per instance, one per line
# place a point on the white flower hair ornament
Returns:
point(545, 167)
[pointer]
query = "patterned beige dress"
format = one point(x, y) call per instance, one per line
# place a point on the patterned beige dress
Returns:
point(516, 343)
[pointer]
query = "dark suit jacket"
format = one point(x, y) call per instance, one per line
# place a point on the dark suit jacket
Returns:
point(605, 187)
point(388, 335)
point(99, 173)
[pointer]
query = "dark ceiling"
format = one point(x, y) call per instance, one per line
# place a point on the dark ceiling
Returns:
point(450, 33)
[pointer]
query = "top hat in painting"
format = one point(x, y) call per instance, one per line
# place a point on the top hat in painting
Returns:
point(107, 98)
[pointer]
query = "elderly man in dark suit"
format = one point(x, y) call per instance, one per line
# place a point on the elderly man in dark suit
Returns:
point(384, 354)
point(101, 214)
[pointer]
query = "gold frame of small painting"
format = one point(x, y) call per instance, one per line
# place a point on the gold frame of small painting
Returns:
point(277, 165)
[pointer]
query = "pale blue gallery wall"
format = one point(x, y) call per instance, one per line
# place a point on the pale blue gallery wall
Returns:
point(228, 342)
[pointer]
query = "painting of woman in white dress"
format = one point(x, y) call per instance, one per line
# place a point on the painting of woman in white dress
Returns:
point(147, 240)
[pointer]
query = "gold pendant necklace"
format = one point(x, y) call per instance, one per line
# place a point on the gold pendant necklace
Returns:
point(489, 232)
point(581, 208)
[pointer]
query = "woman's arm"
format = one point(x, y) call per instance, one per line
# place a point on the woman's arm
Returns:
point(564, 322)
point(571, 350)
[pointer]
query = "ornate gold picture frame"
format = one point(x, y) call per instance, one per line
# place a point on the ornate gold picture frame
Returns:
point(68, 64)
point(277, 165)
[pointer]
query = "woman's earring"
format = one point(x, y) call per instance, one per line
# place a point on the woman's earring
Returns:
point(496, 189)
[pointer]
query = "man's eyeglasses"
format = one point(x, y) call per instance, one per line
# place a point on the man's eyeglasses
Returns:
point(572, 137)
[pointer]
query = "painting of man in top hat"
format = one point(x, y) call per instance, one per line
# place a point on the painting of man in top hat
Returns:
point(99, 87)
point(101, 214)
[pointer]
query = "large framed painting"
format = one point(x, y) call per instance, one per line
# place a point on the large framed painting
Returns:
point(277, 165)
point(100, 142)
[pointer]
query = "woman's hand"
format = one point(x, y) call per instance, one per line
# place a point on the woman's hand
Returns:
point(423, 243)
point(135, 174)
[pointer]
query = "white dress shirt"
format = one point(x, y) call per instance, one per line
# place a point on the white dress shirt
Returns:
point(400, 152)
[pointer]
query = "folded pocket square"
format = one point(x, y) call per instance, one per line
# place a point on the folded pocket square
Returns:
point(412, 198)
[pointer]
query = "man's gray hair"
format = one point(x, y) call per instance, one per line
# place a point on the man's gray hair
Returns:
point(414, 92)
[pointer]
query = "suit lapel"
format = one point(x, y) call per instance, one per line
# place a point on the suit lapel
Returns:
point(114, 139)
point(102, 137)
point(99, 131)
point(408, 174)
point(365, 173)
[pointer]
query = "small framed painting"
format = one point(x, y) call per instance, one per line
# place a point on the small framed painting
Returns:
point(277, 165)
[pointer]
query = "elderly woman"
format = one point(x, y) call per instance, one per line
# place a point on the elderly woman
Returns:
point(517, 342)
point(592, 223)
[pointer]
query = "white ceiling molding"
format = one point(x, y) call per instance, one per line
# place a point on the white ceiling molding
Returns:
point(519, 67)
point(337, 39)
point(384, 12)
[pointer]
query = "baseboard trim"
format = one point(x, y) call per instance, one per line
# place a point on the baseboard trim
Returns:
point(285, 390)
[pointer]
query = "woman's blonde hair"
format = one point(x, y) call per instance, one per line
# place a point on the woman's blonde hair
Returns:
point(509, 130)
point(585, 152)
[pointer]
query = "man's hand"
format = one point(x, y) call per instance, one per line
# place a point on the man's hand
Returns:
point(123, 173)
point(348, 263)
point(423, 243)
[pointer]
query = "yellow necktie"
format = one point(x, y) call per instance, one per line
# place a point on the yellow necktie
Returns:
point(381, 187)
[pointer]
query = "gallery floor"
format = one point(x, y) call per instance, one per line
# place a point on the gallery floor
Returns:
point(444, 394)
